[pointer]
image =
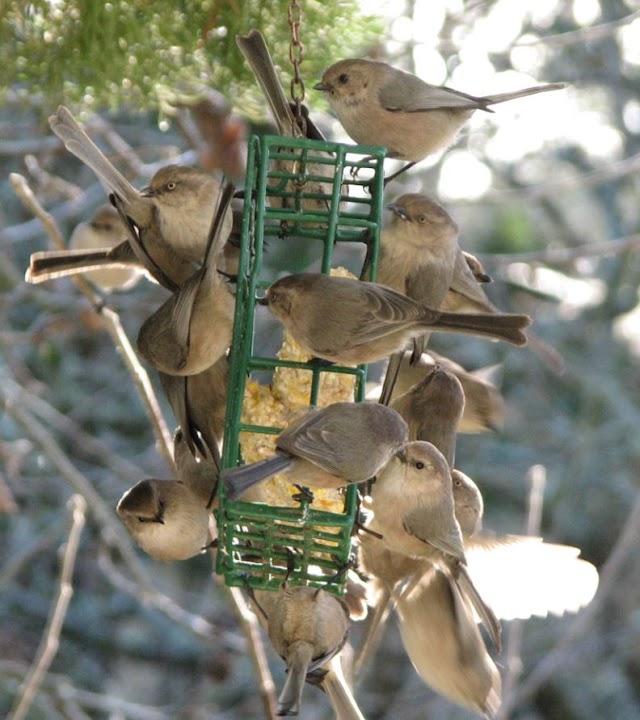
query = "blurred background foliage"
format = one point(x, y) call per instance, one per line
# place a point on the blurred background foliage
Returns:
point(546, 191)
point(138, 54)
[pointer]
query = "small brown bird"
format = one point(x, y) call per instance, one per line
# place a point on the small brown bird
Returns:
point(122, 258)
point(432, 409)
point(484, 406)
point(391, 567)
point(378, 104)
point(192, 329)
point(469, 504)
point(393, 576)
point(347, 321)
point(199, 474)
point(104, 230)
point(418, 251)
point(173, 214)
point(307, 627)
point(419, 254)
point(328, 447)
point(166, 519)
point(421, 258)
point(413, 509)
point(441, 637)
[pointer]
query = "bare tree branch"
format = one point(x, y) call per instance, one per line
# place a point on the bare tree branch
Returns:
point(112, 321)
point(51, 637)
point(60, 686)
point(23, 557)
point(537, 478)
point(251, 630)
point(141, 589)
point(70, 429)
point(111, 527)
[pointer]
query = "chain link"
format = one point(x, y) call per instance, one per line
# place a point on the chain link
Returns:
point(296, 56)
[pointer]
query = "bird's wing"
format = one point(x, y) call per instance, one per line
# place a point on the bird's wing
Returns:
point(315, 441)
point(428, 526)
point(388, 311)
point(408, 93)
point(175, 388)
point(466, 284)
point(524, 576)
point(184, 300)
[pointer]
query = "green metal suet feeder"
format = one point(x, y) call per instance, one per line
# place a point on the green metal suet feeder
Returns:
point(284, 202)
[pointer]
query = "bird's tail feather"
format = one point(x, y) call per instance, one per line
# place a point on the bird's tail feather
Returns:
point(504, 97)
point(239, 480)
point(503, 326)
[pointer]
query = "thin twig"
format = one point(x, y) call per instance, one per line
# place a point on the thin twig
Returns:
point(131, 158)
point(51, 638)
point(144, 589)
point(112, 321)
point(141, 380)
point(49, 183)
point(63, 424)
point(581, 35)
point(30, 201)
point(251, 630)
point(146, 594)
point(32, 229)
point(537, 478)
point(61, 687)
point(22, 557)
point(111, 527)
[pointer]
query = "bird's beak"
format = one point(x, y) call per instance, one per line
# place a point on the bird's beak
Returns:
point(323, 87)
point(263, 301)
point(398, 210)
point(402, 455)
point(147, 191)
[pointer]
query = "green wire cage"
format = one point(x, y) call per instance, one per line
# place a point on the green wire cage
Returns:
point(319, 194)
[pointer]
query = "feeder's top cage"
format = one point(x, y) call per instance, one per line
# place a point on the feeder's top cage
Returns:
point(318, 194)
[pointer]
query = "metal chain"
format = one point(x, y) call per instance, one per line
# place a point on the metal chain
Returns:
point(296, 55)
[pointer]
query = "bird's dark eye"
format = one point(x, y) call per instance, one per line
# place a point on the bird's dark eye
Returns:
point(343, 79)
point(272, 296)
point(422, 218)
point(419, 465)
point(171, 185)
